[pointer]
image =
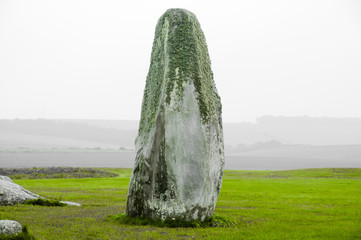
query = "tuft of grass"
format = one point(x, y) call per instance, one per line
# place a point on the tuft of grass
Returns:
point(45, 202)
point(23, 235)
point(214, 221)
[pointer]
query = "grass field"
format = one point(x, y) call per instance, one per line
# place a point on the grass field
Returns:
point(295, 204)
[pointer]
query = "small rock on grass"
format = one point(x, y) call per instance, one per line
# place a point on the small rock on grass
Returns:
point(12, 193)
point(9, 227)
point(71, 203)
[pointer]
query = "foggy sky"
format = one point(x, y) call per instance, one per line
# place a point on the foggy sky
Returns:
point(89, 59)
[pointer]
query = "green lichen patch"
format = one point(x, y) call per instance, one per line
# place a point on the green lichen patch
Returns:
point(189, 61)
point(214, 221)
point(155, 78)
point(179, 55)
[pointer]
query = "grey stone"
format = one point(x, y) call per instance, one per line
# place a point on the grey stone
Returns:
point(73, 204)
point(5, 178)
point(12, 193)
point(180, 152)
point(9, 227)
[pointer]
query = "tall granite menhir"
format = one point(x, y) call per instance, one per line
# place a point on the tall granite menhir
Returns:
point(180, 154)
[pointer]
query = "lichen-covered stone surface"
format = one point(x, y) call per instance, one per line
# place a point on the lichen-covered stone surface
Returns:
point(5, 178)
point(9, 227)
point(12, 193)
point(180, 153)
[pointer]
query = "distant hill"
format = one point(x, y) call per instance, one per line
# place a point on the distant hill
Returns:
point(270, 143)
point(101, 123)
point(286, 130)
point(267, 131)
point(312, 130)
point(234, 133)
point(42, 133)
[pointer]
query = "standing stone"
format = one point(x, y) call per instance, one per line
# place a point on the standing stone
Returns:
point(179, 149)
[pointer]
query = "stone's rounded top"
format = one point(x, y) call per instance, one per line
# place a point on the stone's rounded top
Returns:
point(178, 12)
point(179, 58)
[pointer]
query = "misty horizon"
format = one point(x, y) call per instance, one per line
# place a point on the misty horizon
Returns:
point(255, 120)
point(271, 144)
point(286, 130)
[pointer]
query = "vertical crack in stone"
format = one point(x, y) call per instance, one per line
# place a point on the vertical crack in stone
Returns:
point(160, 181)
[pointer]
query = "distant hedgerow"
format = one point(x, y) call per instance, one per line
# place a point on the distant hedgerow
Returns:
point(55, 172)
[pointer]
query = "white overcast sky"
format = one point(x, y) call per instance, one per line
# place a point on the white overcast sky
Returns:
point(89, 59)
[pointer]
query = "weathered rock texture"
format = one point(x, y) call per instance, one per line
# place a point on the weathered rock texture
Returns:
point(6, 178)
point(12, 193)
point(180, 154)
point(9, 227)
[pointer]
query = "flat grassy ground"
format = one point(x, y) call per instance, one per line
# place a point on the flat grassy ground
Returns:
point(296, 204)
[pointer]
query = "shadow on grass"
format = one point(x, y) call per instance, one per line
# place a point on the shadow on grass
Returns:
point(214, 221)
point(44, 202)
point(24, 235)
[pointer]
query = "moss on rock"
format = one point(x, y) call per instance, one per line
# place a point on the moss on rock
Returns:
point(179, 54)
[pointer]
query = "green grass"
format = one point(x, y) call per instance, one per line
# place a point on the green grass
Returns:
point(296, 204)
